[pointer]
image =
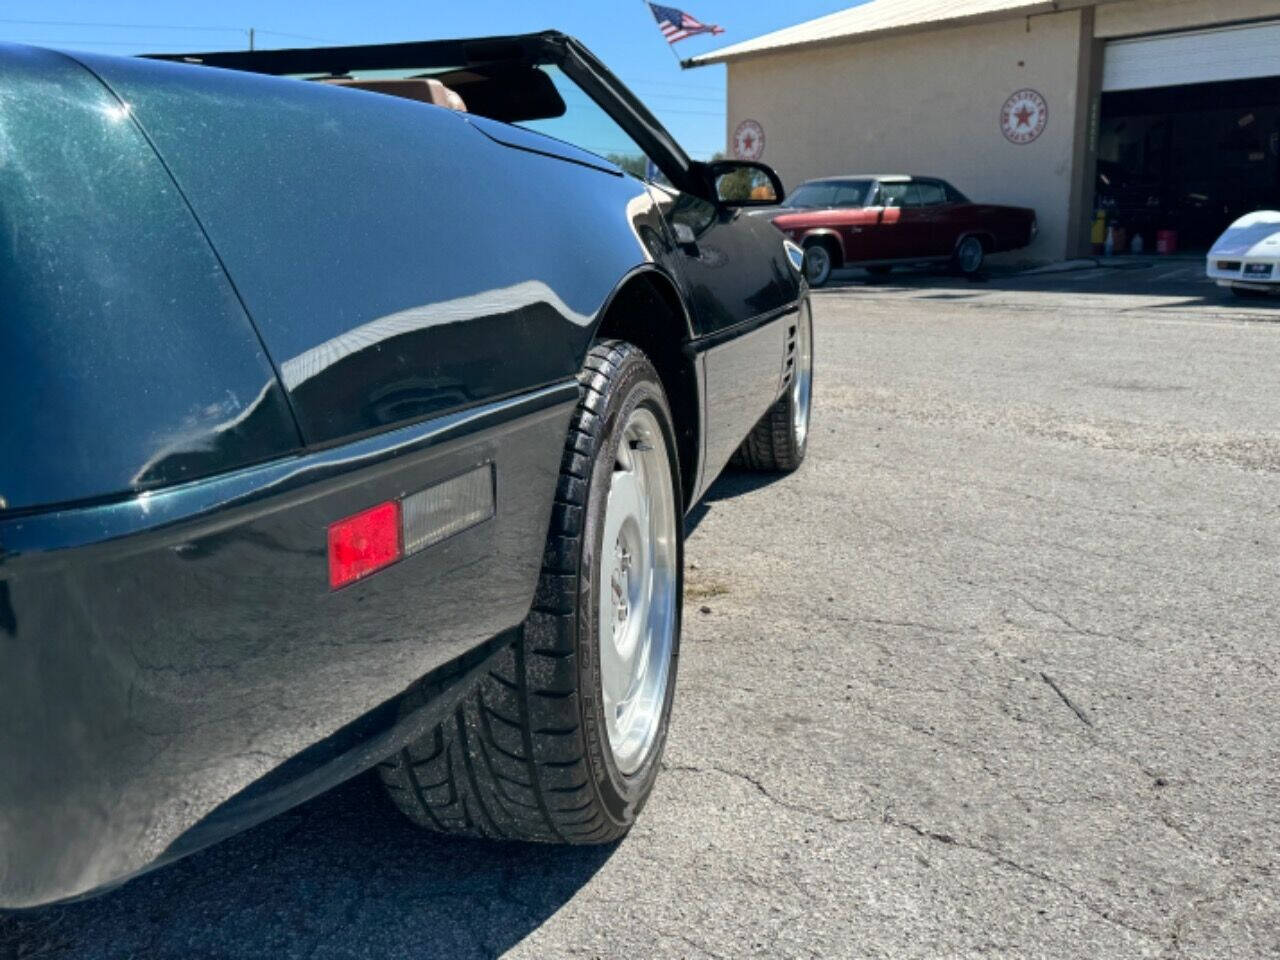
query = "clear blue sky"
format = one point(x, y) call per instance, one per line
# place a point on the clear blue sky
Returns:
point(621, 32)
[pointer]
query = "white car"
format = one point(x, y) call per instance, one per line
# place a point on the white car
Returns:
point(1246, 259)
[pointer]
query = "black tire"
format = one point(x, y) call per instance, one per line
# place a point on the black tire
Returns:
point(969, 256)
point(525, 755)
point(819, 261)
point(1249, 293)
point(778, 443)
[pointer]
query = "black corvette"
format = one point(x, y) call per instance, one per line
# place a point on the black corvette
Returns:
point(351, 422)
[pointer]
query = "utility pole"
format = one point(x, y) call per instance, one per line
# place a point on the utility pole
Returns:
point(251, 38)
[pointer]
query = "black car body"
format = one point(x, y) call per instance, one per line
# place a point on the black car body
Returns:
point(239, 308)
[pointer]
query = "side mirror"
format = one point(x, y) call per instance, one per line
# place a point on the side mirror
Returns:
point(744, 183)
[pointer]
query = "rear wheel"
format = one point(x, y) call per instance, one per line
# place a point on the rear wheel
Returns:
point(969, 256)
point(560, 741)
point(779, 441)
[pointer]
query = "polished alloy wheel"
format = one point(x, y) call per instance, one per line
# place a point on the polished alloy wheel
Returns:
point(802, 386)
point(638, 582)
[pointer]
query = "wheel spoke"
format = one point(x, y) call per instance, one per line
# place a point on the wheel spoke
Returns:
point(637, 587)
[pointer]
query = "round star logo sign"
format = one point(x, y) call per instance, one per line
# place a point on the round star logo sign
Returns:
point(748, 140)
point(1023, 117)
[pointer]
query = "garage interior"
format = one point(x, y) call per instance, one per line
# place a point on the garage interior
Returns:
point(1189, 134)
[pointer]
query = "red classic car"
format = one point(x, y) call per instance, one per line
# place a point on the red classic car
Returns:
point(879, 222)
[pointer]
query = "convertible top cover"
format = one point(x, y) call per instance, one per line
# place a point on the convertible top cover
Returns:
point(498, 77)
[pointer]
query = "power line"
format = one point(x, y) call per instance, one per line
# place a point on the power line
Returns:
point(645, 81)
point(153, 26)
point(68, 40)
point(71, 42)
point(680, 96)
point(118, 26)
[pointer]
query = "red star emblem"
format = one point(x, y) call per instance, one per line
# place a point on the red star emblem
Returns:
point(747, 142)
point(1024, 116)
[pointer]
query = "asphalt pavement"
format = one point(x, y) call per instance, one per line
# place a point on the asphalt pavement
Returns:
point(993, 674)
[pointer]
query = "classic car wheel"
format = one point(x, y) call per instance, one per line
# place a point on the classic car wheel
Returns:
point(561, 740)
point(969, 256)
point(817, 264)
point(779, 441)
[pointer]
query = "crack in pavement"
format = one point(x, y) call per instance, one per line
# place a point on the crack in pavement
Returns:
point(1053, 685)
point(949, 840)
point(1069, 624)
point(1177, 929)
point(904, 624)
point(982, 758)
point(764, 792)
point(934, 836)
point(690, 942)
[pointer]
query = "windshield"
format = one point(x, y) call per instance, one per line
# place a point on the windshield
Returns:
point(830, 193)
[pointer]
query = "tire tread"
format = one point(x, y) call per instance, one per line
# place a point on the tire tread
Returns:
point(540, 789)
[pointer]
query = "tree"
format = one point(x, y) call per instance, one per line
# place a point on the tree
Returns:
point(633, 163)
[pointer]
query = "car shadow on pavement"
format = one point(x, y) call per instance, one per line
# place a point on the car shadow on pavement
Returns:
point(732, 483)
point(342, 875)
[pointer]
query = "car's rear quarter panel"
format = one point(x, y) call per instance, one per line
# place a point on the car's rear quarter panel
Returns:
point(1009, 227)
point(127, 361)
point(397, 261)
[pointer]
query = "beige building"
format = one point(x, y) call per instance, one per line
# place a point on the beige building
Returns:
point(1163, 114)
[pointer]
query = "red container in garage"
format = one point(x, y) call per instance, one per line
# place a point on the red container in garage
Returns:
point(1166, 241)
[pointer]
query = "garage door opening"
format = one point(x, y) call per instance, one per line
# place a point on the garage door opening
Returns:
point(1189, 134)
point(1190, 159)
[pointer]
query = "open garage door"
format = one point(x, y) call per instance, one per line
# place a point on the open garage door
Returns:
point(1189, 138)
point(1199, 56)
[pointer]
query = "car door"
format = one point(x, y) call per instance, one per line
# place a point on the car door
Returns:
point(857, 219)
point(734, 269)
point(903, 231)
point(732, 263)
point(935, 209)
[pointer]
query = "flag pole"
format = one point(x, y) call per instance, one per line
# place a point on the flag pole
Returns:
point(670, 46)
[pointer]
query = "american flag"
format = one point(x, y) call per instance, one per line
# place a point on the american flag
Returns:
point(676, 24)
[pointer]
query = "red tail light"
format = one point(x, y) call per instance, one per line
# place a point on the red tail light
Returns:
point(364, 542)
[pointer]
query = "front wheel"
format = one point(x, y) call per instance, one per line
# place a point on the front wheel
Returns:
point(561, 740)
point(781, 438)
point(817, 264)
